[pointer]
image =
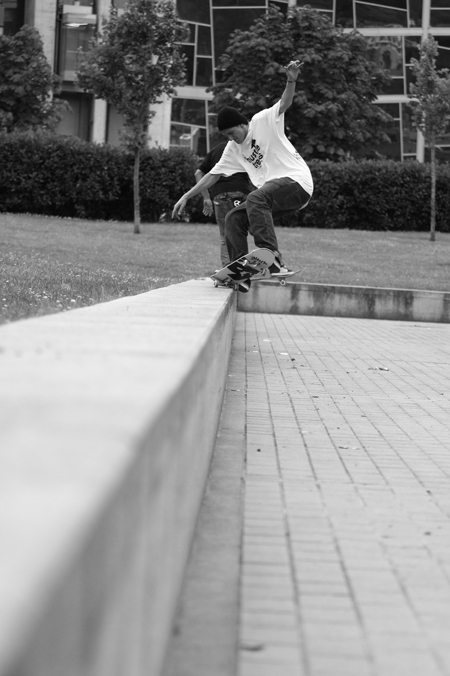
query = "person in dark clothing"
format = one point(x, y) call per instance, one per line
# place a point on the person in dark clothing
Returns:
point(228, 193)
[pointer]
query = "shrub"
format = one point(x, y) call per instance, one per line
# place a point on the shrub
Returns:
point(375, 195)
point(64, 176)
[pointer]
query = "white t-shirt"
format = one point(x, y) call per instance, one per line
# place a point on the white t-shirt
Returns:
point(265, 153)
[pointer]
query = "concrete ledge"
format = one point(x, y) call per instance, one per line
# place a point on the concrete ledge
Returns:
point(108, 418)
point(346, 301)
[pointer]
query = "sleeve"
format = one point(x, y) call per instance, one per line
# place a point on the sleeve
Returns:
point(272, 118)
point(229, 163)
point(206, 165)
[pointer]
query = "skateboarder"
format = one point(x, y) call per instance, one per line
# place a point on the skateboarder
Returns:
point(281, 176)
point(227, 193)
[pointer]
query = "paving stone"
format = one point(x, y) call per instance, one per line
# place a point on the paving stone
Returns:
point(359, 458)
point(345, 562)
point(251, 668)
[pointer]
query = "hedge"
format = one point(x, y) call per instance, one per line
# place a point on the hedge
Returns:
point(63, 176)
point(375, 195)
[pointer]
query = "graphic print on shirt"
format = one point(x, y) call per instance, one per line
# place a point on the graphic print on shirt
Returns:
point(256, 156)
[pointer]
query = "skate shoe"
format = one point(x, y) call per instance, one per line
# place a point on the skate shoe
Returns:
point(278, 269)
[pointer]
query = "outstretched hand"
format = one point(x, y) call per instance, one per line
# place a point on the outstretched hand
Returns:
point(208, 208)
point(293, 69)
point(179, 208)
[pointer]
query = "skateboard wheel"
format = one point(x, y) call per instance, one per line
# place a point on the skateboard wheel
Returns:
point(283, 282)
point(244, 285)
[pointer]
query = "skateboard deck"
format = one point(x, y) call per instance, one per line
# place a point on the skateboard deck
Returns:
point(281, 279)
point(238, 273)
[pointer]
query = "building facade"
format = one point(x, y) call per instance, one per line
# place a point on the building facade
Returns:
point(392, 28)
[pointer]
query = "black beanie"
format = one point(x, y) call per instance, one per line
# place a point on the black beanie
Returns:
point(229, 117)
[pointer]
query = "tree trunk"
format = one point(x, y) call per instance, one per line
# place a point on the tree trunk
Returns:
point(433, 191)
point(136, 195)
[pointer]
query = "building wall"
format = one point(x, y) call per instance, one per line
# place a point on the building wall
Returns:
point(393, 29)
point(160, 124)
point(44, 20)
point(211, 22)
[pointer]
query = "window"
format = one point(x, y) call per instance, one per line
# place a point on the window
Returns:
point(76, 121)
point(188, 51)
point(344, 13)
point(326, 5)
point(77, 25)
point(439, 17)
point(415, 13)
point(204, 72)
point(376, 15)
point(409, 132)
point(443, 57)
point(392, 150)
point(190, 111)
point(186, 136)
point(387, 53)
point(411, 51)
point(227, 20)
point(72, 37)
point(194, 11)
point(282, 6)
point(204, 41)
point(188, 128)
point(12, 16)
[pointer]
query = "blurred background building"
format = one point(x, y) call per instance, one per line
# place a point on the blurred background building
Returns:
point(393, 29)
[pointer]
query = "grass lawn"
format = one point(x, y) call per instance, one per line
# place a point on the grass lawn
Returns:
point(51, 264)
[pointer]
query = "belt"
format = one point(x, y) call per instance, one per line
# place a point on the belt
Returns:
point(231, 195)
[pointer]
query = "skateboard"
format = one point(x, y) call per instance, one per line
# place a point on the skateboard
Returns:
point(281, 279)
point(237, 274)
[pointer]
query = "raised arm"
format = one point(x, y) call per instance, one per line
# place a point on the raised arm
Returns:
point(204, 183)
point(292, 71)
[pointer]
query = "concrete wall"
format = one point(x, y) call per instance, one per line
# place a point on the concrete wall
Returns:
point(42, 15)
point(108, 417)
point(346, 301)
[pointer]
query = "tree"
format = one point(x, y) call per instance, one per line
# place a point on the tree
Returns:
point(332, 114)
point(130, 65)
point(27, 85)
point(430, 105)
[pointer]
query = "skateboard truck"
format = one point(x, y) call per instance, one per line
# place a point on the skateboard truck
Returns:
point(282, 279)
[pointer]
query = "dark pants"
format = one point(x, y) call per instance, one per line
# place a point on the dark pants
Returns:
point(276, 198)
point(223, 203)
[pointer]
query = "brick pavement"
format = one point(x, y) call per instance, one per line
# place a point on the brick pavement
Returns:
point(346, 549)
point(345, 560)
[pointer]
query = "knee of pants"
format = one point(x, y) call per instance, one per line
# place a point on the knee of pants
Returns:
point(235, 220)
point(226, 223)
point(256, 199)
point(253, 198)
